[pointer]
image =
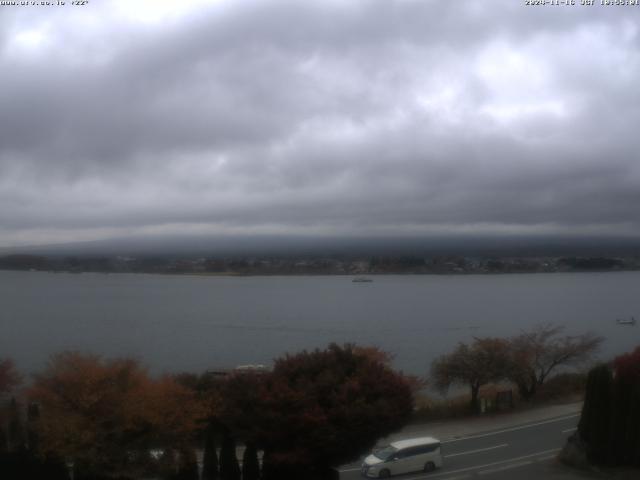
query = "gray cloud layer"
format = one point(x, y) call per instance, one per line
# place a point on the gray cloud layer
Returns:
point(337, 117)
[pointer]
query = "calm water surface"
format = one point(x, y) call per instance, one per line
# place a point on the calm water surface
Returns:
point(176, 323)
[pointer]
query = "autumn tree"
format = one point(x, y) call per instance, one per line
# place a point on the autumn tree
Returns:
point(386, 358)
point(241, 403)
point(105, 415)
point(9, 419)
point(627, 366)
point(9, 376)
point(474, 365)
point(537, 353)
point(321, 409)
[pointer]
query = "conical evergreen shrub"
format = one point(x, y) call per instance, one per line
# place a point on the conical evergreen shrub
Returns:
point(187, 465)
point(634, 422)
point(33, 414)
point(627, 426)
point(250, 463)
point(229, 468)
point(167, 464)
point(4, 441)
point(610, 421)
point(620, 429)
point(633, 426)
point(210, 457)
point(53, 468)
point(16, 431)
point(594, 426)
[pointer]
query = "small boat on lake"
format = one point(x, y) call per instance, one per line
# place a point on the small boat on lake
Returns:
point(626, 321)
point(362, 280)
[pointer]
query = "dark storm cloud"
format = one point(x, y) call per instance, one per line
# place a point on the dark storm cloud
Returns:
point(338, 117)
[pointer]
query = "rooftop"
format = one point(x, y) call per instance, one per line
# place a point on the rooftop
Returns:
point(412, 442)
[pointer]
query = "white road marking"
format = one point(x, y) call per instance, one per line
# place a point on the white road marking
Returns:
point(349, 470)
point(476, 451)
point(569, 430)
point(546, 457)
point(505, 467)
point(512, 429)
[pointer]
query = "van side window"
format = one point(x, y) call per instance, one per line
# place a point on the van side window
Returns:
point(417, 450)
point(401, 454)
point(423, 449)
point(410, 452)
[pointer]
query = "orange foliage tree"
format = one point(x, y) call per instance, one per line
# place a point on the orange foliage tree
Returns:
point(9, 376)
point(9, 379)
point(105, 415)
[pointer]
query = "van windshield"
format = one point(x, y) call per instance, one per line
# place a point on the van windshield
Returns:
point(385, 452)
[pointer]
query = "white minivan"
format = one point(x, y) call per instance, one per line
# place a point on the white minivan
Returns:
point(404, 456)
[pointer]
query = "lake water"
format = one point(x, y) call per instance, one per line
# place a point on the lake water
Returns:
point(175, 323)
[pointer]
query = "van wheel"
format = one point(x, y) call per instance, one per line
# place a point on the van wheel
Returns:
point(429, 467)
point(384, 473)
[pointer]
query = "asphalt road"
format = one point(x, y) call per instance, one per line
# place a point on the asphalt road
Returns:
point(523, 451)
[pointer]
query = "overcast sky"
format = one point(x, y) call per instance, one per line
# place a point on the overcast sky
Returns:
point(331, 117)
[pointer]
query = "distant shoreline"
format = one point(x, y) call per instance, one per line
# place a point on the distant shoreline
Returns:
point(313, 274)
point(317, 265)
